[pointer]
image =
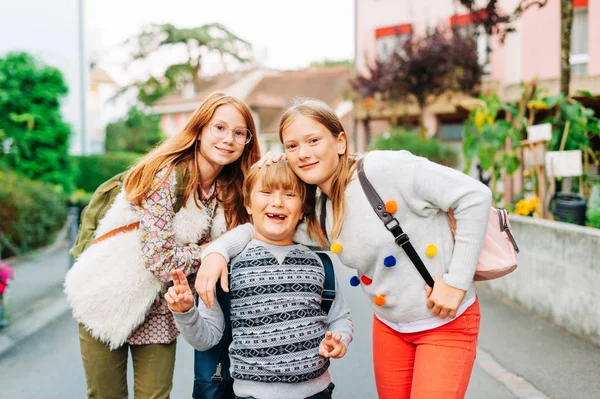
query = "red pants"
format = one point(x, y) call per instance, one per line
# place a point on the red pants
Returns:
point(432, 364)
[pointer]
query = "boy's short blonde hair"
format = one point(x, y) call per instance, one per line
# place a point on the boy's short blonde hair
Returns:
point(276, 176)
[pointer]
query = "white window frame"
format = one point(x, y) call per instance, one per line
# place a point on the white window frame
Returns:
point(580, 58)
point(394, 41)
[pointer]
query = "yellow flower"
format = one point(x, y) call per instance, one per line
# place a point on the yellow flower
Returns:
point(537, 104)
point(527, 207)
point(479, 119)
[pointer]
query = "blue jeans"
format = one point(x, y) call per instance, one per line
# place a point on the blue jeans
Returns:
point(324, 394)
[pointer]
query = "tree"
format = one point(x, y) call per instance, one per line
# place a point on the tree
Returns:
point(30, 118)
point(376, 80)
point(566, 23)
point(195, 44)
point(136, 132)
point(425, 67)
point(495, 20)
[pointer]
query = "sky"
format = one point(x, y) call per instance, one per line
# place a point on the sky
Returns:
point(285, 34)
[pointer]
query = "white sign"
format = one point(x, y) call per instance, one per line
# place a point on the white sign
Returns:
point(541, 132)
point(564, 163)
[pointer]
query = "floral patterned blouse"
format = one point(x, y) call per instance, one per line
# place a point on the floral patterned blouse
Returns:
point(162, 255)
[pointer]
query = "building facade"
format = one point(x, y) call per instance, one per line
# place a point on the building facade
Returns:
point(532, 52)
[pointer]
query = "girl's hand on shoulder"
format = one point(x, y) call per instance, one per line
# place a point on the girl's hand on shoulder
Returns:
point(443, 300)
point(270, 158)
point(213, 268)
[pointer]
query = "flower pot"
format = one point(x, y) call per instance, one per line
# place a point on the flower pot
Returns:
point(569, 207)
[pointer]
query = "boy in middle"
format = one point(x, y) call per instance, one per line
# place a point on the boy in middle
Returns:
point(282, 339)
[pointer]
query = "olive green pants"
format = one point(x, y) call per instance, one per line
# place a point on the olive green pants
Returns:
point(106, 370)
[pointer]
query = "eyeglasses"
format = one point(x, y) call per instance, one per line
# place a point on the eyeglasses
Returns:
point(220, 130)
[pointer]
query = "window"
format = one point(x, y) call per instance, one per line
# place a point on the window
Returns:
point(451, 131)
point(391, 37)
point(579, 39)
point(466, 27)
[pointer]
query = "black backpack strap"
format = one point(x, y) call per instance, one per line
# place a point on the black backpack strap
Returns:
point(392, 224)
point(328, 295)
point(323, 215)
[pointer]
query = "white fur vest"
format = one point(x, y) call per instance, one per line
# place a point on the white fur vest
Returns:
point(109, 289)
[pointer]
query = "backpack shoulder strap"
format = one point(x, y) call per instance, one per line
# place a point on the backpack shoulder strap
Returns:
point(182, 179)
point(92, 213)
point(328, 295)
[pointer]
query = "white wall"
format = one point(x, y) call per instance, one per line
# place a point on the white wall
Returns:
point(50, 31)
point(558, 273)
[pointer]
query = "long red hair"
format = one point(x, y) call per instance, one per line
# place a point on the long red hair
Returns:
point(184, 147)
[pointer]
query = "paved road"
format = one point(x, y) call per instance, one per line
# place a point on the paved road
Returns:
point(521, 356)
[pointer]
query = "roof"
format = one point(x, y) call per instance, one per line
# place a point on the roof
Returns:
point(279, 89)
point(99, 76)
point(270, 92)
point(209, 85)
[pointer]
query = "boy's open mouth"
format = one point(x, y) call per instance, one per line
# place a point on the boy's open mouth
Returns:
point(276, 216)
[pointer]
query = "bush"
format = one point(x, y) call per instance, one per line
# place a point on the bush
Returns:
point(31, 212)
point(93, 170)
point(137, 132)
point(593, 207)
point(430, 148)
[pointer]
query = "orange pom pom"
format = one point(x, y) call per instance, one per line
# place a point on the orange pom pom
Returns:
point(379, 300)
point(391, 206)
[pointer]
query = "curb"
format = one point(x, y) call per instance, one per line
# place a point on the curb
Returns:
point(42, 313)
point(57, 245)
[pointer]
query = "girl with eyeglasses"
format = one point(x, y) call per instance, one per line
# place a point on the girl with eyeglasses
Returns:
point(212, 153)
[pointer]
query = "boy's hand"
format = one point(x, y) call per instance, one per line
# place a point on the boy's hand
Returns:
point(444, 300)
point(213, 268)
point(179, 296)
point(332, 346)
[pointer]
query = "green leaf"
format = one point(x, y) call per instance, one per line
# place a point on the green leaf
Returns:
point(510, 162)
point(487, 156)
point(585, 93)
point(471, 146)
point(553, 100)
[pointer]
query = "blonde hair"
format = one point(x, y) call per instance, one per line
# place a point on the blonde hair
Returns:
point(184, 147)
point(323, 114)
point(276, 176)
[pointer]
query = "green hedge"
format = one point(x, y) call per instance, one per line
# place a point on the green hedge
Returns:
point(93, 170)
point(31, 212)
point(429, 148)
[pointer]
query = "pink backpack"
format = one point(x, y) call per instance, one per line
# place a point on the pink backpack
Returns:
point(499, 254)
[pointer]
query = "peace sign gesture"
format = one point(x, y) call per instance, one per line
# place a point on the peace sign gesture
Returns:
point(179, 296)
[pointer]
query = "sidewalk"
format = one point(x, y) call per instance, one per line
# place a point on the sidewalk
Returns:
point(34, 297)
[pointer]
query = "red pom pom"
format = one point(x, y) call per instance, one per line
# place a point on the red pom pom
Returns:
point(365, 280)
